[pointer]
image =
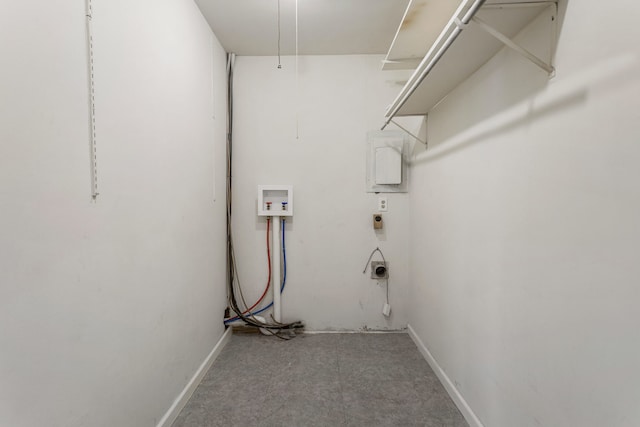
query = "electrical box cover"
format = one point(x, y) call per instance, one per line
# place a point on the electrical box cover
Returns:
point(388, 165)
point(387, 162)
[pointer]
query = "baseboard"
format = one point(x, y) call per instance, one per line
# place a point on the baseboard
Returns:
point(182, 399)
point(351, 331)
point(457, 398)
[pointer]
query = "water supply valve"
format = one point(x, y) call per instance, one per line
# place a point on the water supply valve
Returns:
point(275, 200)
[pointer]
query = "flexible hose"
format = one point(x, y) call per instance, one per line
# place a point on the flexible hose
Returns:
point(284, 259)
point(284, 278)
point(266, 289)
point(233, 279)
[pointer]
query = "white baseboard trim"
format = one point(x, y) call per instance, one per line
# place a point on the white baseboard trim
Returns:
point(351, 331)
point(457, 398)
point(182, 399)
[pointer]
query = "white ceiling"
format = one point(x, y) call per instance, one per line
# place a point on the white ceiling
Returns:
point(325, 27)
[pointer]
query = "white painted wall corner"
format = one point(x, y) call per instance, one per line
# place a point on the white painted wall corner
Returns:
point(458, 399)
point(182, 399)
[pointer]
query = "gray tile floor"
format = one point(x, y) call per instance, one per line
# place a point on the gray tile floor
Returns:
point(320, 380)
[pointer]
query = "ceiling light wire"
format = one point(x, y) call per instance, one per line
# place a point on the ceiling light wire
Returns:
point(279, 64)
point(297, 80)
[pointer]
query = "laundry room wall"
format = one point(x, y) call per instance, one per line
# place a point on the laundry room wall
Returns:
point(108, 307)
point(310, 131)
point(525, 232)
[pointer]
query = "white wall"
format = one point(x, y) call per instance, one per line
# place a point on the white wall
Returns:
point(525, 230)
point(340, 99)
point(108, 308)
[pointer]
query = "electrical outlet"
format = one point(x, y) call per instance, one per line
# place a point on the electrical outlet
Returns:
point(382, 204)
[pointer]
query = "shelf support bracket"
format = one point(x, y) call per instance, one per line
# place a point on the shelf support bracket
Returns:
point(409, 133)
point(513, 45)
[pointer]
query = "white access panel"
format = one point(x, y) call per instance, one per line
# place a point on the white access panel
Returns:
point(387, 161)
point(388, 164)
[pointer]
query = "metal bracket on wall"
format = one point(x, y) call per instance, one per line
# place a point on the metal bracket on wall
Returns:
point(93, 158)
point(513, 45)
point(409, 133)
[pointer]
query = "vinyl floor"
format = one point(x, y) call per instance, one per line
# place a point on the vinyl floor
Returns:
point(320, 380)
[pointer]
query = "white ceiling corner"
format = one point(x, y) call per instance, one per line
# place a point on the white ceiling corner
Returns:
point(325, 27)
